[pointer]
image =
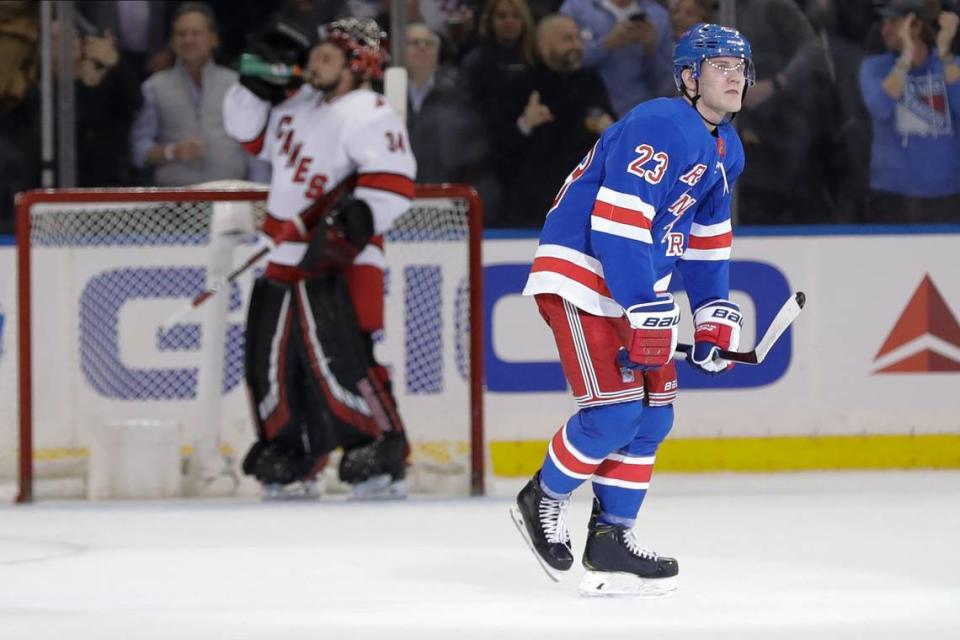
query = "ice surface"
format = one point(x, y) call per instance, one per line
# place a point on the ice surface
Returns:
point(811, 555)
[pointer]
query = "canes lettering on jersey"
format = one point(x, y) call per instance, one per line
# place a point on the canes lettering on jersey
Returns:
point(356, 143)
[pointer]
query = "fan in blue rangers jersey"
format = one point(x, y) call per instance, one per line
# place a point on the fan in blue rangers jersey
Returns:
point(653, 194)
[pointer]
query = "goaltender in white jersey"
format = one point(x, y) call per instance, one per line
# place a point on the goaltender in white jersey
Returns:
point(316, 145)
point(342, 174)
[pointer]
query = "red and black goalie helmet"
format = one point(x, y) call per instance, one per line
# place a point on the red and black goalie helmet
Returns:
point(363, 42)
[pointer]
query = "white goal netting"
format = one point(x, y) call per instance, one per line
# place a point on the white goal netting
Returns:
point(107, 271)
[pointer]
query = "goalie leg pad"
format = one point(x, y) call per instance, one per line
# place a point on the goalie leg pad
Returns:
point(341, 366)
point(291, 436)
point(271, 364)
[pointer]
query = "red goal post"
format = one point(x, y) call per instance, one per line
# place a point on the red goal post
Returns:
point(98, 268)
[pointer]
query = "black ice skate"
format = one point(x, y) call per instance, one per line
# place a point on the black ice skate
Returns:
point(541, 521)
point(376, 471)
point(617, 565)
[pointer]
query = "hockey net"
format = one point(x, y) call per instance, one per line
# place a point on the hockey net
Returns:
point(101, 271)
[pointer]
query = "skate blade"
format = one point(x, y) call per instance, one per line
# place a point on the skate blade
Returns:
point(379, 488)
point(601, 584)
point(293, 491)
point(517, 518)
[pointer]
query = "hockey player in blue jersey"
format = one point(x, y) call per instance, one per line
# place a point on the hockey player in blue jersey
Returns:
point(653, 194)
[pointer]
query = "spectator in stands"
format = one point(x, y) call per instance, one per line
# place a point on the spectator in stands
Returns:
point(19, 61)
point(629, 42)
point(913, 95)
point(446, 134)
point(307, 15)
point(453, 20)
point(686, 13)
point(141, 29)
point(179, 133)
point(505, 51)
point(106, 97)
point(540, 9)
point(552, 115)
point(842, 26)
point(779, 124)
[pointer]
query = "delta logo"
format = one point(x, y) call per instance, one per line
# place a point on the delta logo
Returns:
point(926, 337)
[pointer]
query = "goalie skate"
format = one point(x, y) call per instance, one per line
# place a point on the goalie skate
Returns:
point(381, 487)
point(299, 490)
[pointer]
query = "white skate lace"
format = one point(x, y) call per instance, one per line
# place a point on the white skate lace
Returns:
point(553, 515)
point(636, 549)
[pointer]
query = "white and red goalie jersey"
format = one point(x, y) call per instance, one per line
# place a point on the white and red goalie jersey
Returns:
point(356, 142)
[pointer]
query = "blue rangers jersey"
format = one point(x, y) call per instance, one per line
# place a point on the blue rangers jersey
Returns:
point(652, 194)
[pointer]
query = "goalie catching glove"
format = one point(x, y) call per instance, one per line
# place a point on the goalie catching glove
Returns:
point(283, 46)
point(718, 326)
point(653, 336)
point(340, 236)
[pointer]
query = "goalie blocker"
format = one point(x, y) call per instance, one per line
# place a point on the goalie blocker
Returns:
point(315, 386)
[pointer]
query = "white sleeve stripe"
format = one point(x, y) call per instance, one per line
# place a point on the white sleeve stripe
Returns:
point(570, 255)
point(605, 225)
point(709, 230)
point(386, 206)
point(626, 201)
point(619, 457)
point(707, 254)
point(371, 255)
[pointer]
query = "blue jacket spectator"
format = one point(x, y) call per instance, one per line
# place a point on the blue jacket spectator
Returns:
point(913, 95)
point(629, 42)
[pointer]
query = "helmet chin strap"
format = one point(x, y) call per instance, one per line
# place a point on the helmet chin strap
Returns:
point(694, 99)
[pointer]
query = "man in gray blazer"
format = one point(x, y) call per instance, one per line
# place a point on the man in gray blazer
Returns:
point(179, 132)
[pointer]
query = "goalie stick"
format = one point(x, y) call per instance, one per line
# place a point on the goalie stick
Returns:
point(781, 322)
point(225, 282)
point(202, 297)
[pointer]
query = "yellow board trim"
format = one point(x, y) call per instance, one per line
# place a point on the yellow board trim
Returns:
point(929, 451)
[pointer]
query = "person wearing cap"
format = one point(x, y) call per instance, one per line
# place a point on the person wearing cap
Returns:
point(913, 95)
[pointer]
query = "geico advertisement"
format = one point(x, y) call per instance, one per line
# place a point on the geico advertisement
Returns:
point(876, 350)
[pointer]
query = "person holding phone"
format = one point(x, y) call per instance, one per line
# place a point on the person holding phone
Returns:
point(629, 43)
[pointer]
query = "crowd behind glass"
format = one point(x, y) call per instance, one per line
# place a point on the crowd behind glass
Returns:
point(853, 118)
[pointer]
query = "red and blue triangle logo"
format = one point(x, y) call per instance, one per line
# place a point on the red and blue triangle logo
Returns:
point(926, 337)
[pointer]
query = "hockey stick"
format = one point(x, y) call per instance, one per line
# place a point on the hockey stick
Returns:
point(216, 287)
point(781, 322)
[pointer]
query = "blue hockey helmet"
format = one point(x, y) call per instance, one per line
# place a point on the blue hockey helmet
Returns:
point(704, 41)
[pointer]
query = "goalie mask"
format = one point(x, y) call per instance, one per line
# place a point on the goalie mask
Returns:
point(363, 43)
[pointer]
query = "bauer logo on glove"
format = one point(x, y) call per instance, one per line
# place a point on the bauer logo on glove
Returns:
point(717, 327)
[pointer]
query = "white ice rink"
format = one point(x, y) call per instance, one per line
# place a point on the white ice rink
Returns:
point(813, 555)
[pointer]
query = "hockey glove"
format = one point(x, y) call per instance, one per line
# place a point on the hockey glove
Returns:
point(289, 231)
point(282, 43)
point(717, 326)
point(340, 236)
point(653, 338)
